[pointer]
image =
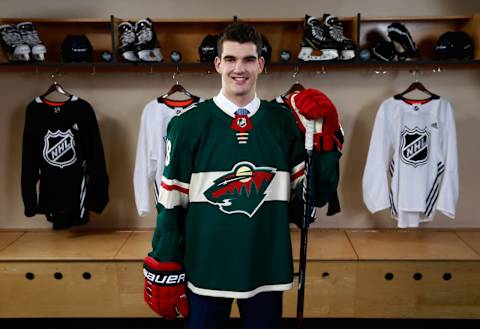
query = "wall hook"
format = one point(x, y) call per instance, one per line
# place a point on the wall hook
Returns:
point(380, 70)
point(295, 73)
point(176, 73)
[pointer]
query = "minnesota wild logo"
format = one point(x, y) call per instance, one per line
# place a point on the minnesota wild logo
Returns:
point(242, 190)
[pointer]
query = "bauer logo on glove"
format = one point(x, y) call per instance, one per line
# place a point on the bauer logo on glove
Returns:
point(166, 279)
point(164, 288)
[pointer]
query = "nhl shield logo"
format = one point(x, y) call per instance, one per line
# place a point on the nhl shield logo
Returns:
point(414, 146)
point(242, 190)
point(59, 148)
point(242, 122)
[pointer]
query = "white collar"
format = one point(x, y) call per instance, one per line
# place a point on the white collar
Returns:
point(229, 107)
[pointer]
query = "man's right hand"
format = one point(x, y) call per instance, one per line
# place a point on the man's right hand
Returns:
point(164, 288)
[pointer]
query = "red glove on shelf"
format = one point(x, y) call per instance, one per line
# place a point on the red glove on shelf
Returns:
point(164, 288)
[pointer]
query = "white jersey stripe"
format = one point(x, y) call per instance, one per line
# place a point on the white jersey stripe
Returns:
point(278, 190)
point(297, 174)
point(173, 193)
point(174, 182)
point(239, 294)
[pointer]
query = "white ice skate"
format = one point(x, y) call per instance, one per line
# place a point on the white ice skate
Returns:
point(316, 38)
point(30, 37)
point(13, 44)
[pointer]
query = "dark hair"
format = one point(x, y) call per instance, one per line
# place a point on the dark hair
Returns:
point(241, 33)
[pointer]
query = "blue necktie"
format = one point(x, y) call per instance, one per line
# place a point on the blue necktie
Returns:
point(242, 112)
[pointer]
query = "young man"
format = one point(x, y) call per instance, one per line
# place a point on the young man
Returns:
point(231, 163)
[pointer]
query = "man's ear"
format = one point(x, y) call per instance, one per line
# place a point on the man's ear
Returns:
point(217, 62)
point(261, 64)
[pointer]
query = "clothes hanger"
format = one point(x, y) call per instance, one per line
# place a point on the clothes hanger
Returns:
point(416, 85)
point(297, 86)
point(178, 88)
point(55, 87)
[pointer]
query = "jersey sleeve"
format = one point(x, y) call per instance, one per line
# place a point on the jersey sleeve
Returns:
point(375, 181)
point(448, 196)
point(297, 173)
point(145, 164)
point(97, 186)
point(325, 177)
point(297, 154)
point(173, 194)
point(30, 164)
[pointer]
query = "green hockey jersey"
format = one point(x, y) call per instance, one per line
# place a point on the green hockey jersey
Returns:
point(223, 204)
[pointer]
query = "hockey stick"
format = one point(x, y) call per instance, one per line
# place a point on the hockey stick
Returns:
point(307, 213)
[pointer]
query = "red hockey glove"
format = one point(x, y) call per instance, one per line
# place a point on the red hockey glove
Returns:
point(164, 288)
point(315, 105)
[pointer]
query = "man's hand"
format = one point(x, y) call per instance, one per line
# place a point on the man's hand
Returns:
point(164, 288)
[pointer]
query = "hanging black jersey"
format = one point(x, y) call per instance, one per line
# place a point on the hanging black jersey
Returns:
point(415, 143)
point(62, 149)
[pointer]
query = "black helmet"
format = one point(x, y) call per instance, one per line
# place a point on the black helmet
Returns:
point(384, 51)
point(266, 50)
point(454, 45)
point(208, 48)
point(77, 48)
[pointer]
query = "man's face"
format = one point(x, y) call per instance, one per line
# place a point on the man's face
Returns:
point(239, 66)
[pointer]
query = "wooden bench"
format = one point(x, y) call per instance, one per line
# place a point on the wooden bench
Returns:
point(350, 274)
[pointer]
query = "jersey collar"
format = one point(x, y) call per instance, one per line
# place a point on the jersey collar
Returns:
point(229, 107)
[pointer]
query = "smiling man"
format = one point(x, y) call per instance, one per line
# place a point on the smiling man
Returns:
point(239, 64)
point(222, 228)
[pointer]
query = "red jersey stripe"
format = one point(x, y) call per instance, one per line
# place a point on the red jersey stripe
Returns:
point(174, 187)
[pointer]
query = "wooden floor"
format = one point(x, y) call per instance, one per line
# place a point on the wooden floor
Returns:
point(235, 323)
point(350, 274)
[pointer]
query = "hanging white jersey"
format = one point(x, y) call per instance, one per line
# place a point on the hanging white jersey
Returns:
point(413, 142)
point(150, 156)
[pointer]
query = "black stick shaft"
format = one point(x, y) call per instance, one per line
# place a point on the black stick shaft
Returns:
point(307, 211)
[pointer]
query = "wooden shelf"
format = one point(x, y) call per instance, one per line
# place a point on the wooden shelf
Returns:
point(8, 238)
point(425, 31)
point(112, 67)
point(53, 31)
point(457, 18)
point(186, 35)
point(324, 245)
point(65, 245)
point(410, 245)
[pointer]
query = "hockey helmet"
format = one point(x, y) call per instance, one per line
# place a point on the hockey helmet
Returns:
point(77, 48)
point(384, 51)
point(208, 48)
point(266, 49)
point(456, 44)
